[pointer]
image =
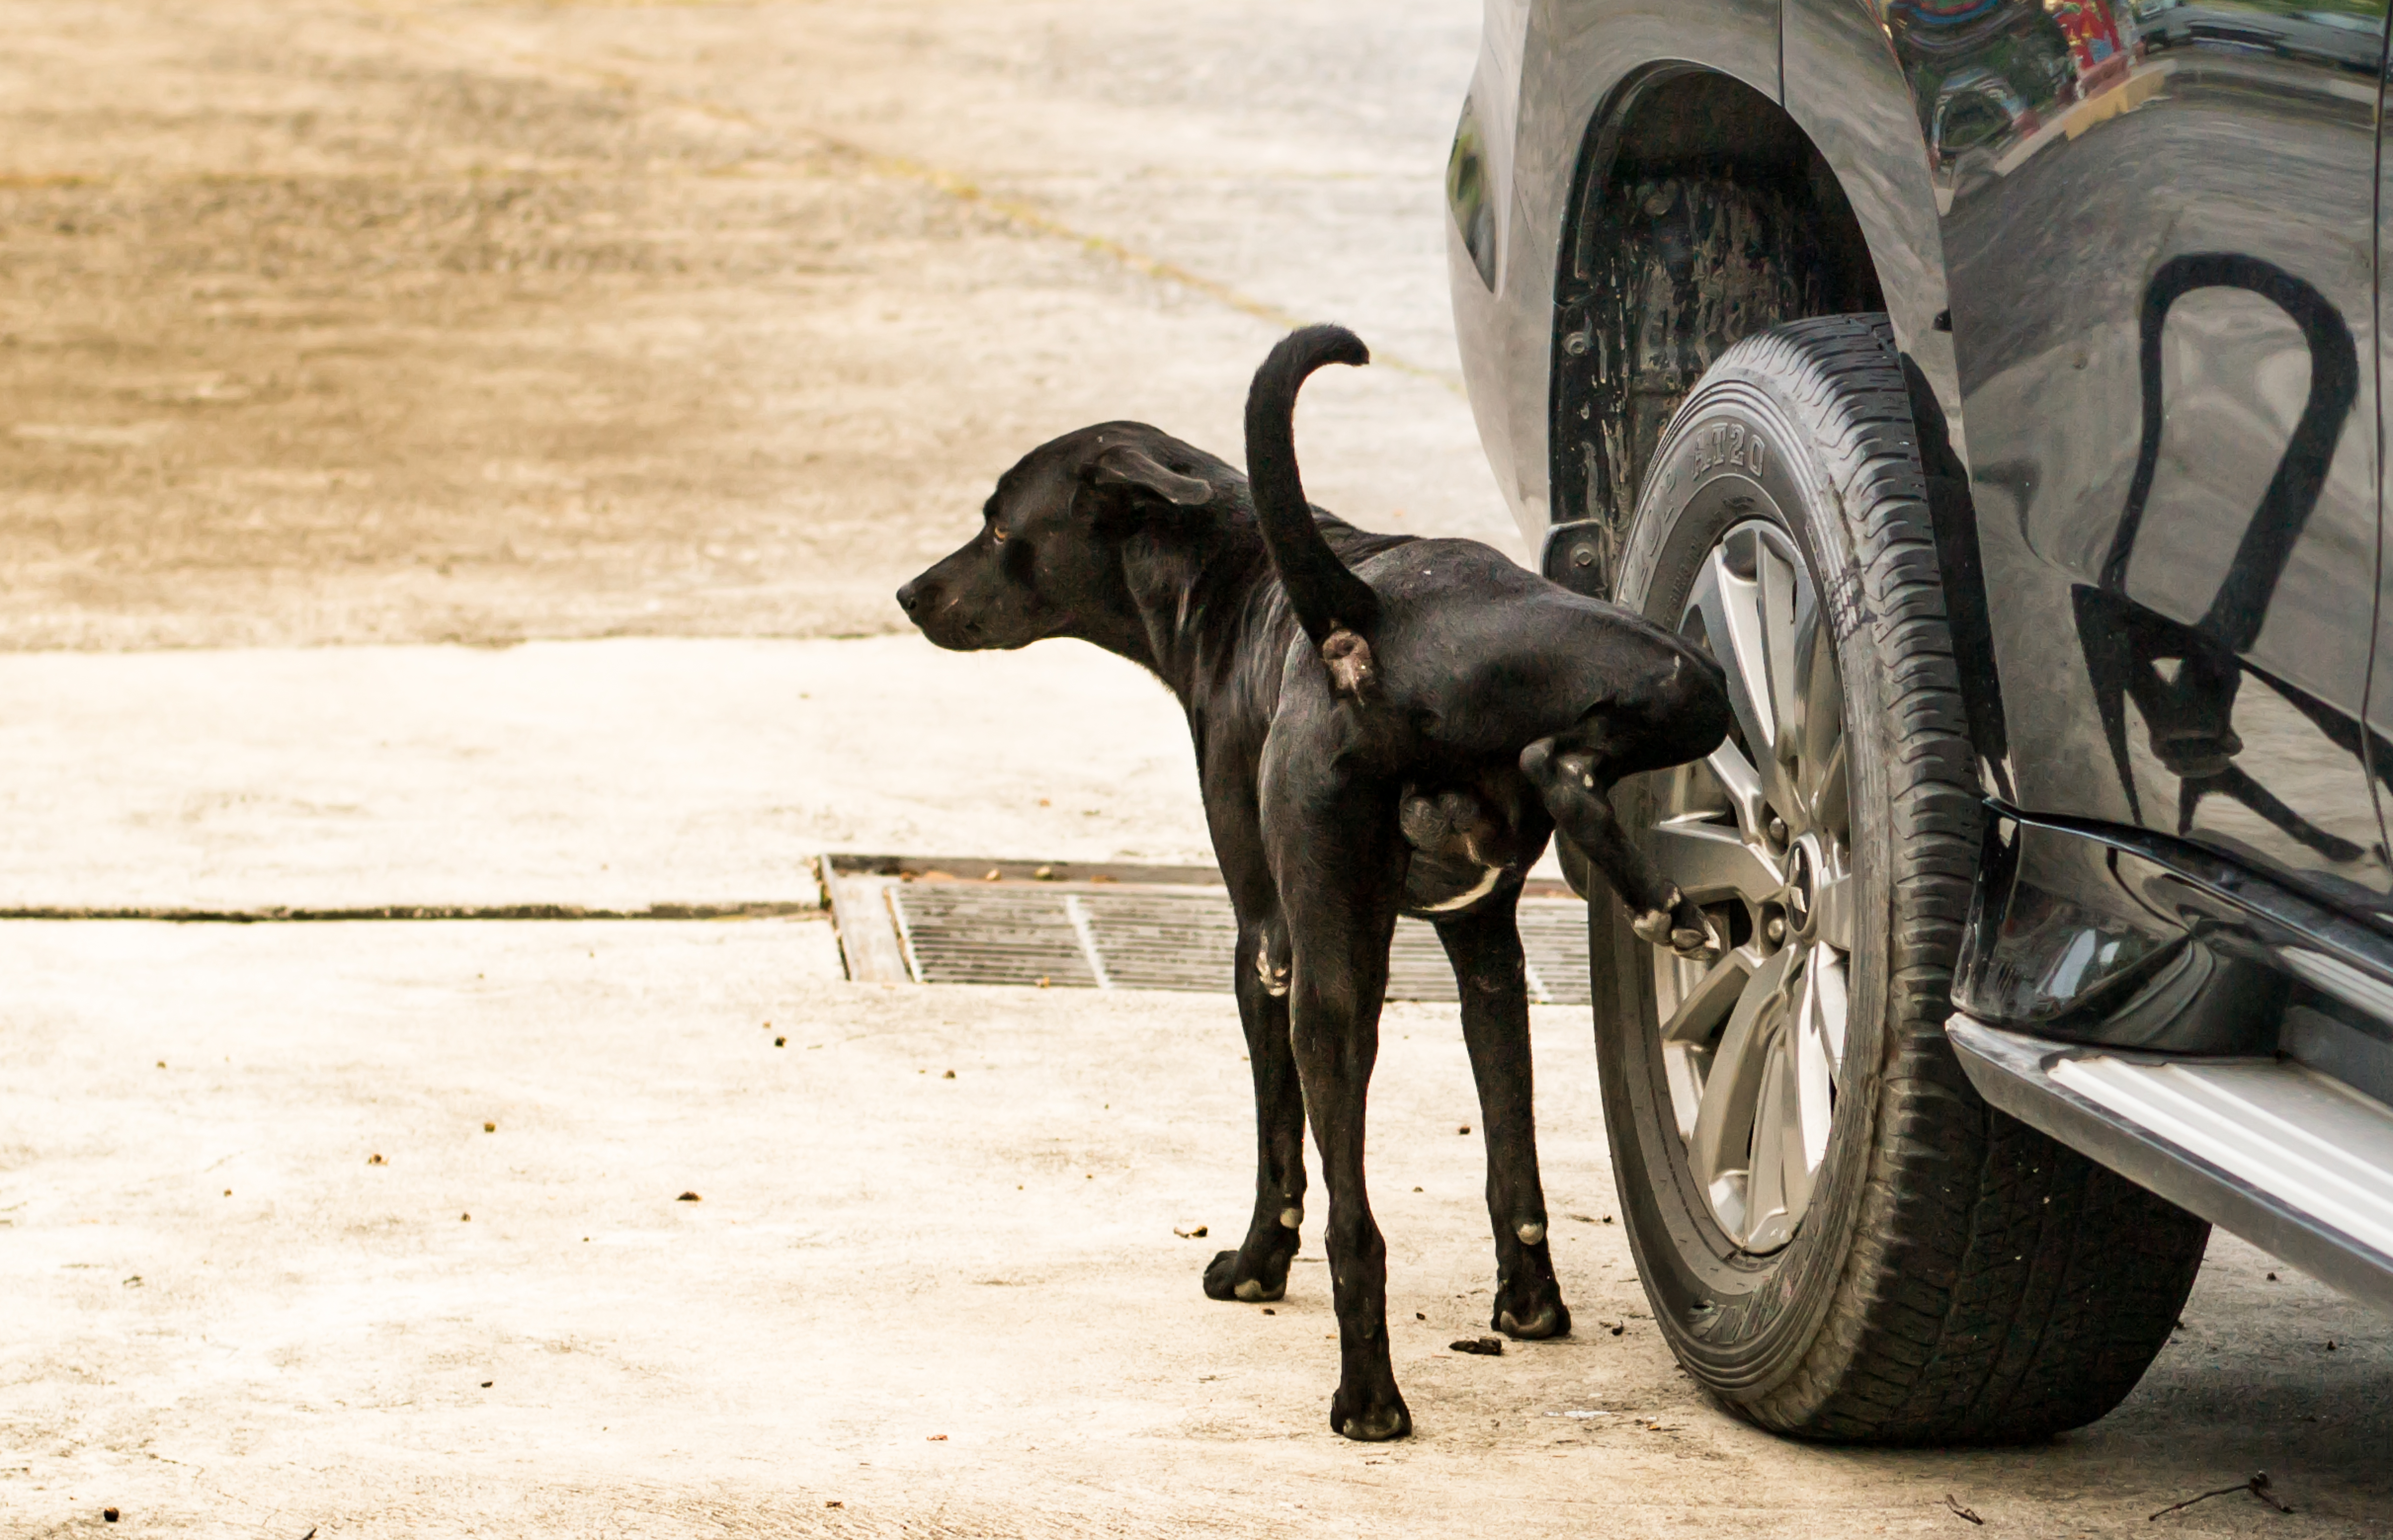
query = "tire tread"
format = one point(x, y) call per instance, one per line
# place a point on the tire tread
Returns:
point(2000, 1286)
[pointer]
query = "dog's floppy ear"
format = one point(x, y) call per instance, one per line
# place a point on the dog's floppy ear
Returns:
point(1126, 465)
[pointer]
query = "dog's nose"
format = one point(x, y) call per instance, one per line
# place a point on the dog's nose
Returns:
point(909, 597)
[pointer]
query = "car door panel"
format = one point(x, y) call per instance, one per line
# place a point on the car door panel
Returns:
point(2160, 248)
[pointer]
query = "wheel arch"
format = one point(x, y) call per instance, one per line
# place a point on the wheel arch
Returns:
point(1700, 212)
point(1820, 205)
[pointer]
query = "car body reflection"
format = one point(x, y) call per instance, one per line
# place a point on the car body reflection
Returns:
point(2160, 269)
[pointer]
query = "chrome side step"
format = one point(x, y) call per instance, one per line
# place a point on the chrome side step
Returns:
point(2296, 1162)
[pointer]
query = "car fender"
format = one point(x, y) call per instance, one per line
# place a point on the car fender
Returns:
point(1578, 63)
point(1845, 88)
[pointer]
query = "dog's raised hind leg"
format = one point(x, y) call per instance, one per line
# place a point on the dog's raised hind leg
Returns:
point(1257, 1269)
point(1575, 784)
point(1484, 946)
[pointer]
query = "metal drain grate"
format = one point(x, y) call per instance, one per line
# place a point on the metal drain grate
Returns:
point(1151, 940)
point(957, 934)
point(1119, 937)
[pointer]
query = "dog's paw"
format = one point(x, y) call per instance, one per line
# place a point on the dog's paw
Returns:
point(1697, 942)
point(1548, 1319)
point(1683, 928)
point(1223, 1280)
point(1653, 927)
point(1536, 1321)
point(1373, 1419)
point(1701, 945)
point(1528, 1301)
point(1271, 968)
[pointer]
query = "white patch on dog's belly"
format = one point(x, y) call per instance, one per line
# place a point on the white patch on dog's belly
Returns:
point(1488, 878)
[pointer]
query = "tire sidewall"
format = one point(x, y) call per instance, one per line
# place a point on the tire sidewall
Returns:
point(1742, 448)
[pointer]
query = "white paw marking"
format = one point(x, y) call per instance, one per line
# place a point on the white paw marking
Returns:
point(1250, 1291)
point(1291, 1218)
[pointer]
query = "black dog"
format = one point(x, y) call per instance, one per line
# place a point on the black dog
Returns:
point(1394, 725)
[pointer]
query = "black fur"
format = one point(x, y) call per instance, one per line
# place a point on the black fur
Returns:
point(1384, 725)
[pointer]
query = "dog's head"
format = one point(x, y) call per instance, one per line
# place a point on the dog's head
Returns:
point(1045, 562)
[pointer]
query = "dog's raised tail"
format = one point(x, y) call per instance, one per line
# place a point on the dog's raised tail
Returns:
point(1337, 608)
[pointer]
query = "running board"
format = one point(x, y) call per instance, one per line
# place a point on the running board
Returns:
point(2293, 1161)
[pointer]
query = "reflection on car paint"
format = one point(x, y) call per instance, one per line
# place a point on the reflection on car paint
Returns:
point(1466, 193)
point(2158, 227)
point(2141, 942)
point(2084, 940)
point(2189, 709)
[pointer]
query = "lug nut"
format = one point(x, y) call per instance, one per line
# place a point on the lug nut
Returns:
point(1777, 831)
point(1777, 929)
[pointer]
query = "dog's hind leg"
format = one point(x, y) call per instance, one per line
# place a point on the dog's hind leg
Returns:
point(1484, 946)
point(1258, 1269)
point(1342, 971)
point(1574, 773)
point(1340, 864)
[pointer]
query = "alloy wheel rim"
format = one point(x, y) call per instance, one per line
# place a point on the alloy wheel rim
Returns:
point(1760, 835)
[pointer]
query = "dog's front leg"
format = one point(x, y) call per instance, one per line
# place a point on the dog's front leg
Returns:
point(1258, 1269)
point(1484, 946)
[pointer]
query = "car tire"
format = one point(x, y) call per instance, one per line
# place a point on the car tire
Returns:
point(1839, 1238)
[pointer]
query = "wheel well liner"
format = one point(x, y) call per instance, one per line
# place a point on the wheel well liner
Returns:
point(1700, 213)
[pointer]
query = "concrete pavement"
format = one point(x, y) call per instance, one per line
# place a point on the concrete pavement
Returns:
point(609, 775)
point(950, 1307)
point(947, 1306)
point(418, 321)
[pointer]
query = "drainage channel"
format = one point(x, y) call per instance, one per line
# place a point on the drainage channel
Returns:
point(1063, 925)
point(285, 915)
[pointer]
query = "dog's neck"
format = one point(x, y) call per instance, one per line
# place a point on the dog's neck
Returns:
point(1185, 591)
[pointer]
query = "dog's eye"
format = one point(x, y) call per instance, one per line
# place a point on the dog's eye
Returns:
point(997, 533)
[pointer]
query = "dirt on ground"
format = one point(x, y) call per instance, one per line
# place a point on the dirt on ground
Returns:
point(335, 322)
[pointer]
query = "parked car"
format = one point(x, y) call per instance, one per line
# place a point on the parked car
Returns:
point(1992, 387)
